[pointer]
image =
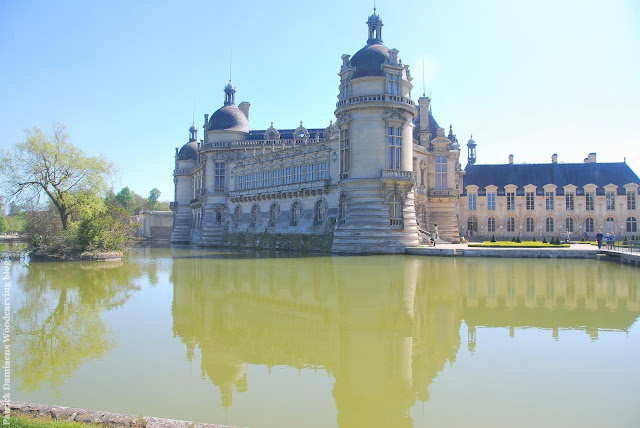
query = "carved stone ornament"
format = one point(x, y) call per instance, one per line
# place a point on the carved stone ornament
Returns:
point(332, 132)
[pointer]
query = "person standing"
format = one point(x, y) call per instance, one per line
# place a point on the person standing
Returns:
point(612, 239)
point(599, 238)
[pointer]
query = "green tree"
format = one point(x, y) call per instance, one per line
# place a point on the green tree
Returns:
point(54, 167)
point(154, 195)
point(125, 198)
point(4, 224)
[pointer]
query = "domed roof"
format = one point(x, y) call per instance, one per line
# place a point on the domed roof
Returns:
point(229, 118)
point(189, 151)
point(471, 142)
point(193, 128)
point(368, 60)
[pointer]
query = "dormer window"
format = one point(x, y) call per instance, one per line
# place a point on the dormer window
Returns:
point(393, 84)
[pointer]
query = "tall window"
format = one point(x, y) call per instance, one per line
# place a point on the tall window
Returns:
point(531, 201)
point(472, 201)
point(345, 154)
point(323, 170)
point(395, 210)
point(310, 170)
point(297, 174)
point(611, 201)
point(491, 201)
point(274, 210)
point(632, 225)
point(255, 213)
point(631, 200)
point(393, 84)
point(491, 224)
point(549, 200)
point(569, 201)
point(589, 225)
point(530, 225)
point(320, 211)
point(276, 177)
point(286, 175)
point(237, 214)
point(590, 201)
point(266, 178)
point(441, 172)
point(247, 181)
point(610, 225)
point(218, 176)
point(511, 201)
point(257, 180)
point(296, 211)
point(569, 224)
point(472, 224)
point(239, 182)
point(394, 141)
point(511, 224)
point(549, 224)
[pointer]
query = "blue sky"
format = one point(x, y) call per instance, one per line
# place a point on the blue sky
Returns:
point(524, 77)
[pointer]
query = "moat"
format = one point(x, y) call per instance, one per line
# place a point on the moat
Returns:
point(266, 340)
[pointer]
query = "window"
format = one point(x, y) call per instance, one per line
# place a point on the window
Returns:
point(491, 224)
point(530, 225)
point(491, 201)
point(247, 181)
point(394, 140)
point(286, 175)
point(531, 201)
point(395, 210)
point(323, 170)
point(276, 177)
point(472, 201)
point(631, 200)
point(590, 199)
point(511, 201)
point(266, 178)
point(393, 84)
point(239, 182)
point(274, 210)
point(255, 213)
point(320, 210)
point(219, 177)
point(611, 201)
point(632, 225)
point(257, 180)
point(237, 214)
point(549, 224)
point(549, 200)
point(610, 225)
point(472, 224)
point(296, 211)
point(441, 172)
point(569, 199)
point(511, 224)
point(589, 225)
point(297, 174)
point(569, 225)
point(310, 169)
point(345, 160)
point(423, 174)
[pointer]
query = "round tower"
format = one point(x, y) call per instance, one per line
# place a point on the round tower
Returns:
point(375, 116)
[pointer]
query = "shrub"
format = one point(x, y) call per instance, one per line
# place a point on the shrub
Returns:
point(493, 238)
point(518, 240)
point(534, 239)
point(544, 240)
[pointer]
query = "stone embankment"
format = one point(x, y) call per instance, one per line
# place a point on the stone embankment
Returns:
point(96, 417)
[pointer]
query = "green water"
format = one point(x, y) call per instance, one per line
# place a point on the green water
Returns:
point(390, 341)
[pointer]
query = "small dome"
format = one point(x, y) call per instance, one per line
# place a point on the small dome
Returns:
point(189, 151)
point(193, 128)
point(230, 87)
point(228, 118)
point(374, 18)
point(369, 59)
point(471, 142)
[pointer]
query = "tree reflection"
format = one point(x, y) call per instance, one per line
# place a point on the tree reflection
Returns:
point(58, 324)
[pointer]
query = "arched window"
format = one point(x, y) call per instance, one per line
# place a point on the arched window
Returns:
point(395, 210)
point(530, 225)
point(569, 225)
point(589, 225)
point(549, 224)
point(632, 225)
point(472, 224)
point(511, 224)
point(320, 212)
point(255, 213)
point(296, 212)
point(610, 225)
point(491, 224)
point(237, 214)
point(342, 209)
point(274, 210)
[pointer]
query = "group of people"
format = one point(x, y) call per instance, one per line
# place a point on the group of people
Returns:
point(609, 240)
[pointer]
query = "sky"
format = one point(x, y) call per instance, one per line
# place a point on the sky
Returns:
point(528, 78)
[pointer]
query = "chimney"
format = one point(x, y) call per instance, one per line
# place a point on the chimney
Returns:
point(244, 108)
point(510, 159)
point(554, 158)
point(591, 158)
point(206, 121)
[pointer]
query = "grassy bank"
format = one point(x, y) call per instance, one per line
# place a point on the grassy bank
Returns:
point(29, 422)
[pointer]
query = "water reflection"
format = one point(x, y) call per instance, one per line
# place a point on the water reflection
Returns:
point(58, 323)
point(383, 327)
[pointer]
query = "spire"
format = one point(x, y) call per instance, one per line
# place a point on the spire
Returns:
point(375, 28)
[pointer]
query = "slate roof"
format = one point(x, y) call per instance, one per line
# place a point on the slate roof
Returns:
point(433, 126)
point(368, 60)
point(188, 151)
point(228, 118)
point(560, 174)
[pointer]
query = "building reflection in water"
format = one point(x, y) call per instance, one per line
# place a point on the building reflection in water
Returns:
point(383, 327)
